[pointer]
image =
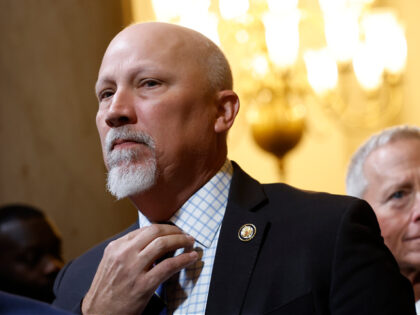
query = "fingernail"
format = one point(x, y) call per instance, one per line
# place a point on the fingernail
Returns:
point(194, 254)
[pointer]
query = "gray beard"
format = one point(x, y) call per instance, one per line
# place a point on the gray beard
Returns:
point(129, 180)
point(126, 176)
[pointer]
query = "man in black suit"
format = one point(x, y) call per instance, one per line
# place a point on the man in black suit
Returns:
point(165, 107)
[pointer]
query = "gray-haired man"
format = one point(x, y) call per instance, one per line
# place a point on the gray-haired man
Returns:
point(385, 171)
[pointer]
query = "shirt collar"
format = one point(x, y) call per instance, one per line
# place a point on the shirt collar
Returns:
point(202, 214)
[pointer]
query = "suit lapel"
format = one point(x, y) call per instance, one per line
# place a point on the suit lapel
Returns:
point(235, 258)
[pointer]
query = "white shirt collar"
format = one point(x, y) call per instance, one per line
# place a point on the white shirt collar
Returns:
point(202, 214)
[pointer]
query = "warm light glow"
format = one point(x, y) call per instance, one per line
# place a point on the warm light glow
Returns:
point(230, 9)
point(396, 55)
point(368, 67)
point(193, 14)
point(384, 34)
point(282, 5)
point(172, 11)
point(322, 70)
point(205, 23)
point(342, 34)
point(193, 10)
point(260, 66)
point(282, 37)
point(167, 10)
point(242, 36)
point(330, 6)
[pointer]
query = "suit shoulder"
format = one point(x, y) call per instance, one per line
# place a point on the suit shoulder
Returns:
point(279, 201)
point(311, 200)
point(318, 210)
point(248, 192)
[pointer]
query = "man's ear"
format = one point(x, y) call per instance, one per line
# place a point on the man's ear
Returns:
point(227, 109)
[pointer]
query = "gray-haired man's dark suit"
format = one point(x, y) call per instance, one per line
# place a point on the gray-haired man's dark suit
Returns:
point(313, 253)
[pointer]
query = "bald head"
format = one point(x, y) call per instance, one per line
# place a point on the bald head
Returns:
point(187, 46)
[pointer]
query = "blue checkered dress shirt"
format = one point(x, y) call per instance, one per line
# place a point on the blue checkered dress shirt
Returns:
point(201, 217)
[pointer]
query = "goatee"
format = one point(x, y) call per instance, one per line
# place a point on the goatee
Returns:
point(129, 172)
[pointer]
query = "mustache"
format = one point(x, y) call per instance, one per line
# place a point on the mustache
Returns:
point(125, 133)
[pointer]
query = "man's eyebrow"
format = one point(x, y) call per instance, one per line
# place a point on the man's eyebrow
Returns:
point(102, 81)
point(402, 183)
point(132, 73)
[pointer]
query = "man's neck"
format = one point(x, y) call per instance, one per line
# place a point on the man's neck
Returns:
point(413, 275)
point(416, 288)
point(161, 201)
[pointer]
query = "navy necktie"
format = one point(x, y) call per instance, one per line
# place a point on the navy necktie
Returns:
point(157, 304)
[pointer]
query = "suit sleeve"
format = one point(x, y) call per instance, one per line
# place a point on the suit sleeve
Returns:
point(64, 298)
point(365, 276)
point(74, 280)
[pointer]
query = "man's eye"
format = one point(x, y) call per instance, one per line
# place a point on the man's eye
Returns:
point(105, 94)
point(31, 258)
point(397, 195)
point(150, 83)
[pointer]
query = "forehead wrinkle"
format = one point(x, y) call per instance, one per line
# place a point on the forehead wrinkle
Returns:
point(394, 156)
point(388, 170)
point(105, 75)
point(402, 180)
point(155, 47)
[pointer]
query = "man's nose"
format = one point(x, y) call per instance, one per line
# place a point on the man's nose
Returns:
point(122, 110)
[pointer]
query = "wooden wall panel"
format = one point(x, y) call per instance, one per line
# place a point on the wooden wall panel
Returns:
point(50, 153)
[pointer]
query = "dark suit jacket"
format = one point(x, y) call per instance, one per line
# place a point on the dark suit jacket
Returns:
point(11, 304)
point(313, 253)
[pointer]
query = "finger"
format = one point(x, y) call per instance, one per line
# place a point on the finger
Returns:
point(128, 252)
point(140, 238)
point(170, 266)
point(164, 245)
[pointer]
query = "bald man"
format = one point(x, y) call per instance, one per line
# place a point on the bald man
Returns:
point(210, 239)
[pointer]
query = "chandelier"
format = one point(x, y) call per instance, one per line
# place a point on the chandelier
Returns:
point(346, 56)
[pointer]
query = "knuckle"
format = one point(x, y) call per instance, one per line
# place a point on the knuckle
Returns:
point(155, 230)
point(159, 243)
point(113, 251)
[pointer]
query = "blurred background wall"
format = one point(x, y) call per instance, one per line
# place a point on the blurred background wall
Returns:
point(50, 152)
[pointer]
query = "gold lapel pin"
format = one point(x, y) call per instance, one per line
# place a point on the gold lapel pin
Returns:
point(247, 232)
